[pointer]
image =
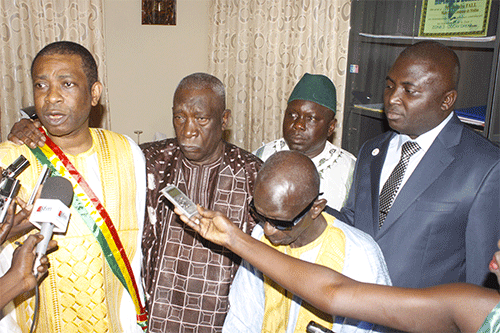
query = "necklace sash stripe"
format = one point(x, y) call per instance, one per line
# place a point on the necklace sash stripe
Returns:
point(97, 220)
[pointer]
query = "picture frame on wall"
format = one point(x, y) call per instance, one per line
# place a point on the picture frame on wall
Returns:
point(159, 12)
point(450, 18)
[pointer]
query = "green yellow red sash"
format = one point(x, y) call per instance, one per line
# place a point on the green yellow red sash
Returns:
point(97, 220)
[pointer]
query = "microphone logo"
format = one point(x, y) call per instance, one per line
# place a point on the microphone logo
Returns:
point(44, 209)
point(51, 211)
point(63, 215)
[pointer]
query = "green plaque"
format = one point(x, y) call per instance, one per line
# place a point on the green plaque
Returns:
point(449, 18)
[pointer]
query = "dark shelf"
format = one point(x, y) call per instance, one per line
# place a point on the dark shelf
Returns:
point(380, 30)
point(487, 42)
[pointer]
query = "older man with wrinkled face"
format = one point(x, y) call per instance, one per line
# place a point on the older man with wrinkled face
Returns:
point(187, 279)
point(308, 122)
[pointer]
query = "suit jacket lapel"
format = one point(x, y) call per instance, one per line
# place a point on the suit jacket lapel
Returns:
point(437, 159)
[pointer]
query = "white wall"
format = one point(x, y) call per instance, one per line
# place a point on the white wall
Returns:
point(146, 62)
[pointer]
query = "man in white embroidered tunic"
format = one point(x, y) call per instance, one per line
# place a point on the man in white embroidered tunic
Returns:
point(80, 293)
point(308, 123)
point(291, 220)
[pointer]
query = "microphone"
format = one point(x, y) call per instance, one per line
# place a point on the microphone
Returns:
point(41, 179)
point(51, 212)
point(16, 167)
point(9, 186)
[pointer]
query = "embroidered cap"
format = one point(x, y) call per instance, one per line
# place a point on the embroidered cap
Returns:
point(316, 88)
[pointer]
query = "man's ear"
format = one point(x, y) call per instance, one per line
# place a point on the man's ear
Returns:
point(225, 118)
point(96, 92)
point(318, 207)
point(449, 100)
point(331, 126)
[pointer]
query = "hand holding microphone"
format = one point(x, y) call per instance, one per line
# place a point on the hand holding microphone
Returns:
point(22, 262)
point(51, 211)
point(21, 224)
point(20, 278)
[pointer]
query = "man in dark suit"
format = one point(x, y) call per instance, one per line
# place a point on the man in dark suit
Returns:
point(437, 219)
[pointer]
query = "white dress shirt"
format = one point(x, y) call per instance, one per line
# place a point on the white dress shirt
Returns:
point(394, 152)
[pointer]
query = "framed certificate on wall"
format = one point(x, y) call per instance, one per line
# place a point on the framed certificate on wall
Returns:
point(447, 18)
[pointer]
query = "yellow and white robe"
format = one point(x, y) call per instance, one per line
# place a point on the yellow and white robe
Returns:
point(257, 304)
point(81, 294)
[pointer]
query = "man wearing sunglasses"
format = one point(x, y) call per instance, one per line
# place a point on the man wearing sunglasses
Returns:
point(289, 210)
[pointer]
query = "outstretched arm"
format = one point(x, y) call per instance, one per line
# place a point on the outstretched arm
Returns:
point(20, 278)
point(438, 309)
point(25, 131)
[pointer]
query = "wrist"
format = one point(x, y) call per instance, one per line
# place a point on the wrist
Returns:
point(238, 241)
point(12, 286)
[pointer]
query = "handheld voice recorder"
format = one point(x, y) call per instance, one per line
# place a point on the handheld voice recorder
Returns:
point(180, 200)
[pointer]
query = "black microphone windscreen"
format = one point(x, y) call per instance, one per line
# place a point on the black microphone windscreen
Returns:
point(57, 188)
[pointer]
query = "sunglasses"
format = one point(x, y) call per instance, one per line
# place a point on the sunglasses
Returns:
point(279, 224)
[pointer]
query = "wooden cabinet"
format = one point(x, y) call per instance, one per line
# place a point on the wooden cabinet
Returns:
point(380, 30)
